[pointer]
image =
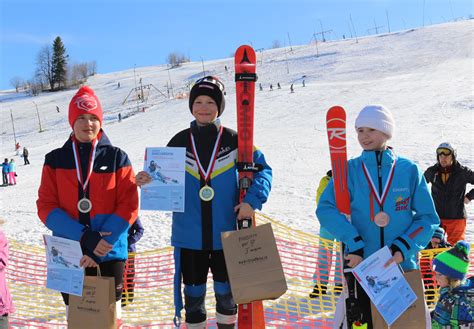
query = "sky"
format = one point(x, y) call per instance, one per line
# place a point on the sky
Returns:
point(121, 34)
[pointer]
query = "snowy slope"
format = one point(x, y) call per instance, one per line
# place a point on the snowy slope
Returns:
point(424, 76)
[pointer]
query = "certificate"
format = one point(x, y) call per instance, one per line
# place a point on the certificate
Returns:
point(387, 288)
point(62, 258)
point(166, 166)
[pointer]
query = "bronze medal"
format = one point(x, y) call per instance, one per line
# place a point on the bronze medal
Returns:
point(382, 219)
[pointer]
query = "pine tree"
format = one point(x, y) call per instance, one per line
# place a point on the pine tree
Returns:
point(59, 64)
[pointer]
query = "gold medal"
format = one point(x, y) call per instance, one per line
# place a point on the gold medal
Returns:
point(84, 205)
point(382, 219)
point(206, 193)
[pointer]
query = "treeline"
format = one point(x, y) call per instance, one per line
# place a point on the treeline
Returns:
point(54, 72)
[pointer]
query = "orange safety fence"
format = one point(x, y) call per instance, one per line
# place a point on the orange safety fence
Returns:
point(306, 260)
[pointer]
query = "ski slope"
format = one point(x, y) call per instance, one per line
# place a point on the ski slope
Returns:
point(425, 76)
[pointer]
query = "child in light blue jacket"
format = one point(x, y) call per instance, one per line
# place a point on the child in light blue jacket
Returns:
point(390, 201)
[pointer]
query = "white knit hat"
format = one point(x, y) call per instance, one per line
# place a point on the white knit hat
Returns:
point(377, 117)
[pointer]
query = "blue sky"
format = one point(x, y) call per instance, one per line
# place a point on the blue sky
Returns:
point(119, 34)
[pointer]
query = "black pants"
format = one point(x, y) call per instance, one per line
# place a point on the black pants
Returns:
point(5, 178)
point(195, 265)
point(26, 160)
point(114, 269)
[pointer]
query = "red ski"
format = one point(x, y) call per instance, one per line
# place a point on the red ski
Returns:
point(336, 129)
point(250, 316)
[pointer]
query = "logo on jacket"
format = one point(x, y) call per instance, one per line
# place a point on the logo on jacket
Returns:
point(86, 103)
point(402, 204)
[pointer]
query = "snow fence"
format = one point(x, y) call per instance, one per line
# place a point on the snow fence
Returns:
point(304, 257)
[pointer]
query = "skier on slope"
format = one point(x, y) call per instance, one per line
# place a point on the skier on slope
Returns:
point(211, 196)
point(390, 202)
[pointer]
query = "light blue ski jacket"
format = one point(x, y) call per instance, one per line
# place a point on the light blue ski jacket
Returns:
point(413, 217)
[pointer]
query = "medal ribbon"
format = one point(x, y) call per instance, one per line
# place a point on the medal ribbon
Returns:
point(90, 165)
point(206, 174)
point(379, 198)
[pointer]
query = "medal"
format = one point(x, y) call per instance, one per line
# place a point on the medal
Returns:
point(206, 193)
point(84, 205)
point(381, 219)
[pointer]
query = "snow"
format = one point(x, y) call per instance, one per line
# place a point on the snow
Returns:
point(425, 76)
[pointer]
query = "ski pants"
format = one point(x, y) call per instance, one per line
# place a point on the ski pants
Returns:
point(5, 178)
point(12, 178)
point(195, 266)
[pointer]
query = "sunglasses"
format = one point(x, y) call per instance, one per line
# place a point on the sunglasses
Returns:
point(443, 151)
point(212, 80)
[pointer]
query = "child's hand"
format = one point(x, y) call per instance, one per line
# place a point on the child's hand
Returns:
point(466, 200)
point(86, 261)
point(244, 210)
point(353, 260)
point(397, 258)
point(103, 247)
point(142, 178)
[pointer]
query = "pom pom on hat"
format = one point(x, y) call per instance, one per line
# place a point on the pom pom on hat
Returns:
point(376, 117)
point(84, 101)
point(454, 263)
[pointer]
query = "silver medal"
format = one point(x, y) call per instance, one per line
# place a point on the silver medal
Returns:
point(84, 205)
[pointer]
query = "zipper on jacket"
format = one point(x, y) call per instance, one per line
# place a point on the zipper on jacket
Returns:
point(378, 156)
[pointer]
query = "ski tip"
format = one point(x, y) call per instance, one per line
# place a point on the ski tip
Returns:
point(245, 54)
point(335, 112)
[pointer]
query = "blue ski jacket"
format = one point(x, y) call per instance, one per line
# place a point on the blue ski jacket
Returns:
point(413, 217)
point(200, 226)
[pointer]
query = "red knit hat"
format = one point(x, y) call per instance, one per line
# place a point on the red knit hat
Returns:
point(84, 102)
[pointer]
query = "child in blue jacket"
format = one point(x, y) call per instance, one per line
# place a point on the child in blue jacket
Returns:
point(211, 205)
point(390, 201)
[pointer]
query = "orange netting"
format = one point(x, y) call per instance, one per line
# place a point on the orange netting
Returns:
point(306, 259)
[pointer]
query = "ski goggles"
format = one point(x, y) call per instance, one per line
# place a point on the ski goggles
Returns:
point(443, 151)
point(212, 80)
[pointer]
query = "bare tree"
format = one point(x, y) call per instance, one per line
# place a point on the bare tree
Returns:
point(91, 68)
point(16, 83)
point(276, 44)
point(35, 86)
point(176, 59)
point(45, 65)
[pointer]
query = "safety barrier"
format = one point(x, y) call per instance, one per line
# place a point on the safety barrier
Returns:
point(305, 258)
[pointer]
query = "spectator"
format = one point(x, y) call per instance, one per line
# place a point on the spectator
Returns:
point(448, 180)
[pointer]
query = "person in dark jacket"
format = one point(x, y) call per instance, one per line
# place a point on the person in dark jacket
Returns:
point(5, 170)
point(448, 180)
point(88, 193)
point(211, 205)
point(25, 156)
point(135, 233)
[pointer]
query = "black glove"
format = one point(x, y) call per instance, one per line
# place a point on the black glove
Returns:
point(90, 239)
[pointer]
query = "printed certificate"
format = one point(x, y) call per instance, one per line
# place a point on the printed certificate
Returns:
point(387, 287)
point(62, 258)
point(166, 166)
